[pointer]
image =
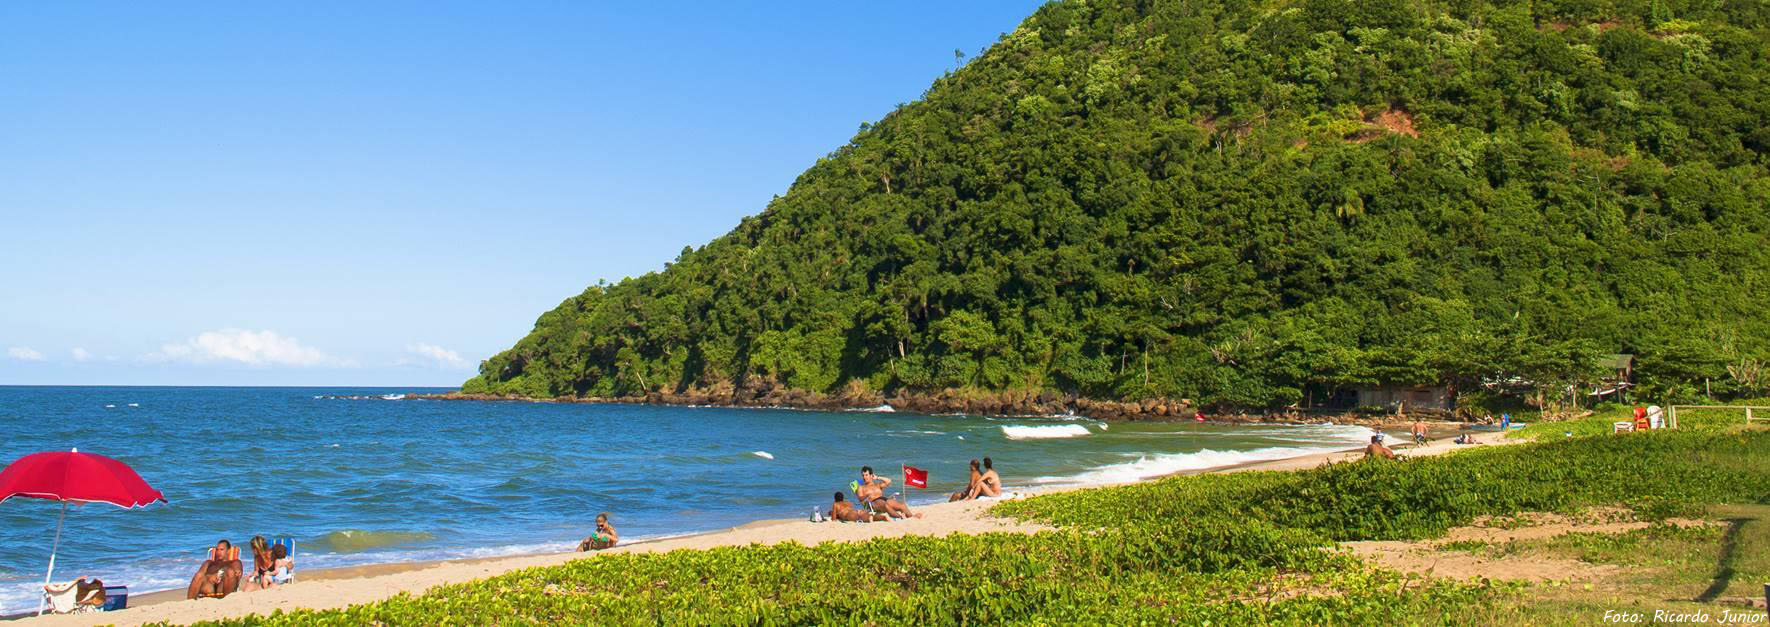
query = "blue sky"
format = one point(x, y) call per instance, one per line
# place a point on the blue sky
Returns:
point(385, 193)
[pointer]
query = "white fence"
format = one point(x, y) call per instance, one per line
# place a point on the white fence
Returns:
point(1672, 416)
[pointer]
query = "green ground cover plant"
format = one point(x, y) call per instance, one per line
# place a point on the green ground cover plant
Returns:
point(1239, 548)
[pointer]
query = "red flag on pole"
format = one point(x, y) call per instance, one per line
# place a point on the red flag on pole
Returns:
point(915, 477)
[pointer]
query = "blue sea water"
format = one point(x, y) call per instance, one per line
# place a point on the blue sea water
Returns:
point(370, 480)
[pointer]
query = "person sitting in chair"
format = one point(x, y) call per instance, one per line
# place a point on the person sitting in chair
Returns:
point(872, 492)
point(262, 563)
point(219, 575)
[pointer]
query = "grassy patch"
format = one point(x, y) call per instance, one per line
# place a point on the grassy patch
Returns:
point(1672, 568)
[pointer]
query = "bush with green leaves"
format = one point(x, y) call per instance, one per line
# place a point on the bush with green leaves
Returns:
point(1246, 203)
point(1658, 473)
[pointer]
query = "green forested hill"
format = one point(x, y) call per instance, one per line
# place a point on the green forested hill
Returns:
point(1244, 203)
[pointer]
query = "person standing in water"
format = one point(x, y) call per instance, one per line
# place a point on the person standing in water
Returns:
point(604, 537)
point(991, 483)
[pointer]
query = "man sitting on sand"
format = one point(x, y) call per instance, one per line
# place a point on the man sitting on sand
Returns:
point(1376, 449)
point(219, 575)
point(844, 512)
point(991, 483)
point(971, 487)
point(872, 491)
point(604, 536)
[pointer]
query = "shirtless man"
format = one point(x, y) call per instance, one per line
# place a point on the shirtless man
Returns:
point(842, 511)
point(971, 487)
point(1419, 431)
point(219, 575)
point(872, 490)
point(991, 483)
point(1376, 449)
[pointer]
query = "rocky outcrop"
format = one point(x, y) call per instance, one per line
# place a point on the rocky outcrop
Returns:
point(951, 401)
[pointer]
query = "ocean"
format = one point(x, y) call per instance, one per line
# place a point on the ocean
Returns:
point(356, 477)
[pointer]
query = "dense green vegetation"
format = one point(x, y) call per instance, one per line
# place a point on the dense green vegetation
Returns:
point(1237, 548)
point(1246, 204)
point(1658, 473)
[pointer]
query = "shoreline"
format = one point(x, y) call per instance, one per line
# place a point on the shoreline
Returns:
point(340, 587)
point(995, 404)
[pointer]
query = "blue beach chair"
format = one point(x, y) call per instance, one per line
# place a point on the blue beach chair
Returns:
point(282, 577)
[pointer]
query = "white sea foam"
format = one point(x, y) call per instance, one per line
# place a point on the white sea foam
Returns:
point(882, 409)
point(110, 406)
point(393, 397)
point(762, 454)
point(135, 404)
point(1338, 438)
point(1024, 432)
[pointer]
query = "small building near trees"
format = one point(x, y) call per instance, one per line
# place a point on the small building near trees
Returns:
point(1390, 397)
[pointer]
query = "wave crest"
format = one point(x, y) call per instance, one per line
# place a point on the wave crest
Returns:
point(1024, 432)
point(355, 540)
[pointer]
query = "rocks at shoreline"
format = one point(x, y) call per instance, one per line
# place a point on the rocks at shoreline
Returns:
point(945, 402)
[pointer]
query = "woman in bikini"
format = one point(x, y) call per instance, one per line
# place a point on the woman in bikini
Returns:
point(604, 536)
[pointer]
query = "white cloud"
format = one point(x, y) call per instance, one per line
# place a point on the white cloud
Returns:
point(255, 348)
point(438, 356)
point(23, 353)
point(80, 354)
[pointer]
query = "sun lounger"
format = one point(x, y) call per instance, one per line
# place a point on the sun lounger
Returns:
point(285, 575)
point(67, 598)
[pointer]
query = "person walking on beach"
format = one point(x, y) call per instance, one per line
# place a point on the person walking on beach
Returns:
point(991, 483)
point(1376, 449)
point(604, 537)
point(1419, 431)
point(971, 487)
point(843, 511)
point(872, 491)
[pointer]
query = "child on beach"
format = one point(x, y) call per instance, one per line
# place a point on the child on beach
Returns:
point(282, 568)
point(604, 536)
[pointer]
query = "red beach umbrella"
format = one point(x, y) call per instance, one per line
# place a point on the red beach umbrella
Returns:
point(74, 477)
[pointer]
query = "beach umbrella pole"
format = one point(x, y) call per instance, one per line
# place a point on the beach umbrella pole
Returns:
point(44, 598)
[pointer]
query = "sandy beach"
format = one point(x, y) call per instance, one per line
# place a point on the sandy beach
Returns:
point(343, 587)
